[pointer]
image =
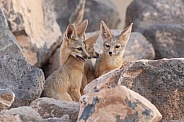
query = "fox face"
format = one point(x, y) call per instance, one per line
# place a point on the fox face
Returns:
point(89, 46)
point(74, 41)
point(114, 45)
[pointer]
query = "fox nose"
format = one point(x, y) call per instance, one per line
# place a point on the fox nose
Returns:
point(89, 57)
point(110, 53)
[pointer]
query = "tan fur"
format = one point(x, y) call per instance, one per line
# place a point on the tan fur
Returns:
point(89, 72)
point(64, 84)
point(113, 50)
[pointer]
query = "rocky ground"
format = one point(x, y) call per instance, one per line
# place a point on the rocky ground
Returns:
point(149, 87)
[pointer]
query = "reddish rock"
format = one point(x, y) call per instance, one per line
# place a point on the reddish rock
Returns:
point(35, 27)
point(105, 100)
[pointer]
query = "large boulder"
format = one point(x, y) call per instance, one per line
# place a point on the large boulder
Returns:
point(25, 81)
point(35, 27)
point(20, 114)
point(27, 114)
point(8, 43)
point(105, 100)
point(160, 81)
point(161, 22)
point(145, 13)
point(95, 11)
point(167, 40)
point(55, 109)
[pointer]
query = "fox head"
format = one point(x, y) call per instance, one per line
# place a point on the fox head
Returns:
point(89, 45)
point(114, 45)
point(73, 41)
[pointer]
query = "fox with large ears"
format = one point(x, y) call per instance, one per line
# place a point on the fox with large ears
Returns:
point(113, 49)
point(65, 83)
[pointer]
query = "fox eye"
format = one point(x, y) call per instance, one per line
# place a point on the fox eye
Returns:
point(79, 48)
point(107, 45)
point(117, 46)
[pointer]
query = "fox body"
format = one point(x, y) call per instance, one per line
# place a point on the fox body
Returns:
point(113, 50)
point(88, 71)
point(64, 83)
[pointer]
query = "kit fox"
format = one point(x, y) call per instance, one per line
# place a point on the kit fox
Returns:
point(113, 49)
point(88, 72)
point(64, 83)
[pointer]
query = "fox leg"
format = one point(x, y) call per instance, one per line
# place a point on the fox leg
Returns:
point(75, 94)
point(83, 84)
point(64, 96)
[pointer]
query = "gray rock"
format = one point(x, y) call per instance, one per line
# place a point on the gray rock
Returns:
point(8, 43)
point(95, 11)
point(99, 10)
point(64, 118)
point(138, 48)
point(160, 81)
point(24, 80)
point(167, 40)
point(6, 98)
point(51, 108)
point(180, 120)
point(20, 114)
point(145, 13)
point(161, 22)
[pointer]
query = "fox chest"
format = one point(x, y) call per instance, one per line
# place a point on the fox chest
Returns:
point(75, 78)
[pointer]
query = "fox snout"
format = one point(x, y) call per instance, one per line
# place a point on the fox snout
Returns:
point(110, 53)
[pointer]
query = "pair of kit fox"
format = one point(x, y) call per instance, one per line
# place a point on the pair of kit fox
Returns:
point(68, 81)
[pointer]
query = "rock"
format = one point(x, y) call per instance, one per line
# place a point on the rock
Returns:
point(8, 43)
point(146, 13)
point(98, 10)
point(106, 11)
point(20, 114)
point(10, 118)
point(25, 81)
point(181, 120)
point(159, 81)
point(161, 22)
point(27, 114)
point(167, 40)
point(50, 108)
point(136, 45)
point(35, 27)
point(6, 98)
point(64, 118)
point(106, 101)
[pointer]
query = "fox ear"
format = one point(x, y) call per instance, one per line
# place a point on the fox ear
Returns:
point(105, 31)
point(82, 28)
point(92, 40)
point(125, 34)
point(70, 32)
